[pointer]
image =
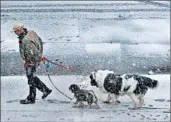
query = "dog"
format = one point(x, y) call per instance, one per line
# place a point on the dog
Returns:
point(135, 86)
point(83, 96)
point(86, 85)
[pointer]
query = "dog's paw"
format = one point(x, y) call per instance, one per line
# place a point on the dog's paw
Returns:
point(106, 102)
point(118, 101)
point(89, 107)
point(75, 106)
point(75, 103)
point(141, 105)
point(81, 106)
point(93, 107)
point(97, 107)
point(134, 108)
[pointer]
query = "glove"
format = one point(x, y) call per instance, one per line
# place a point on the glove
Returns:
point(26, 64)
point(29, 63)
point(43, 59)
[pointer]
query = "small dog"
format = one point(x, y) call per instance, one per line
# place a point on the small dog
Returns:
point(83, 95)
point(135, 86)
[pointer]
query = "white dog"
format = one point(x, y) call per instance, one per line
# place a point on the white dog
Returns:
point(134, 86)
point(86, 84)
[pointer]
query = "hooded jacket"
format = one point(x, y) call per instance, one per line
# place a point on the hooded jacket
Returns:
point(30, 46)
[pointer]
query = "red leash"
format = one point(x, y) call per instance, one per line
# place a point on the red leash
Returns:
point(65, 67)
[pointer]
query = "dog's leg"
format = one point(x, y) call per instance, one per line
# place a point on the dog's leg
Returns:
point(81, 104)
point(134, 100)
point(96, 102)
point(115, 99)
point(97, 106)
point(141, 99)
point(108, 99)
point(90, 100)
point(75, 103)
point(89, 105)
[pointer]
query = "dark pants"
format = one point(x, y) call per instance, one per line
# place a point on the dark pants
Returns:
point(34, 82)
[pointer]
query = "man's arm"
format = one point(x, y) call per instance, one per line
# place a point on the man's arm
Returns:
point(32, 51)
point(22, 54)
point(40, 45)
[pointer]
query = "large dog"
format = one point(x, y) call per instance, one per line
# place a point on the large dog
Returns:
point(134, 86)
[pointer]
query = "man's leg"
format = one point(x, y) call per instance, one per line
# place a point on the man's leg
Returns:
point(32, 94)
point(42, 87)
point(36, 82)
point(32, 89)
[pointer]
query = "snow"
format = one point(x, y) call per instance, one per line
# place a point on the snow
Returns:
point(129, 31)
point(61, 2)
point(133, 64)
point(99, 48)
point(147, 50)
point(119, 32)
point(58, 108)
point(129, 36)
point(151, 72)
point(88, 31)
point(81, 27)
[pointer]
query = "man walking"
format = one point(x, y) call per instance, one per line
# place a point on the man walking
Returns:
point(31, 49)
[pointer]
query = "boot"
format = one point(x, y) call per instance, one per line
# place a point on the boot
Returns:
point(27, 101)
point(42, 87)
point(46, 93)
point(31, 97)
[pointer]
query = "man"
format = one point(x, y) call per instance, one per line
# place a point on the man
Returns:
point(31, 49)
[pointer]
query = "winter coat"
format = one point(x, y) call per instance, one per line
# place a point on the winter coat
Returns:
point(30, 46)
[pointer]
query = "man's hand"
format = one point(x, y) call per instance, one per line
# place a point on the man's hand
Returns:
point(43, 59)
point(26, 64)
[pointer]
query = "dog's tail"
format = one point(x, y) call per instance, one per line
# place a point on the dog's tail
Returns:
point(151, 83)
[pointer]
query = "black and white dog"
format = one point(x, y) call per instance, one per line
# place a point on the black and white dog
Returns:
point(134, 86)
point(83, 95)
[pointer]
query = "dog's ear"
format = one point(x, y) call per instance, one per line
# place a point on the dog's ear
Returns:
point(70, 87)
point(119, 79)
point(93, 83)
point(91, 76)
point(75, 87)
point(117, 74)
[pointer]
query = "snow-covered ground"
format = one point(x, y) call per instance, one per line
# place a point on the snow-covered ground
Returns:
point(58, 108)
